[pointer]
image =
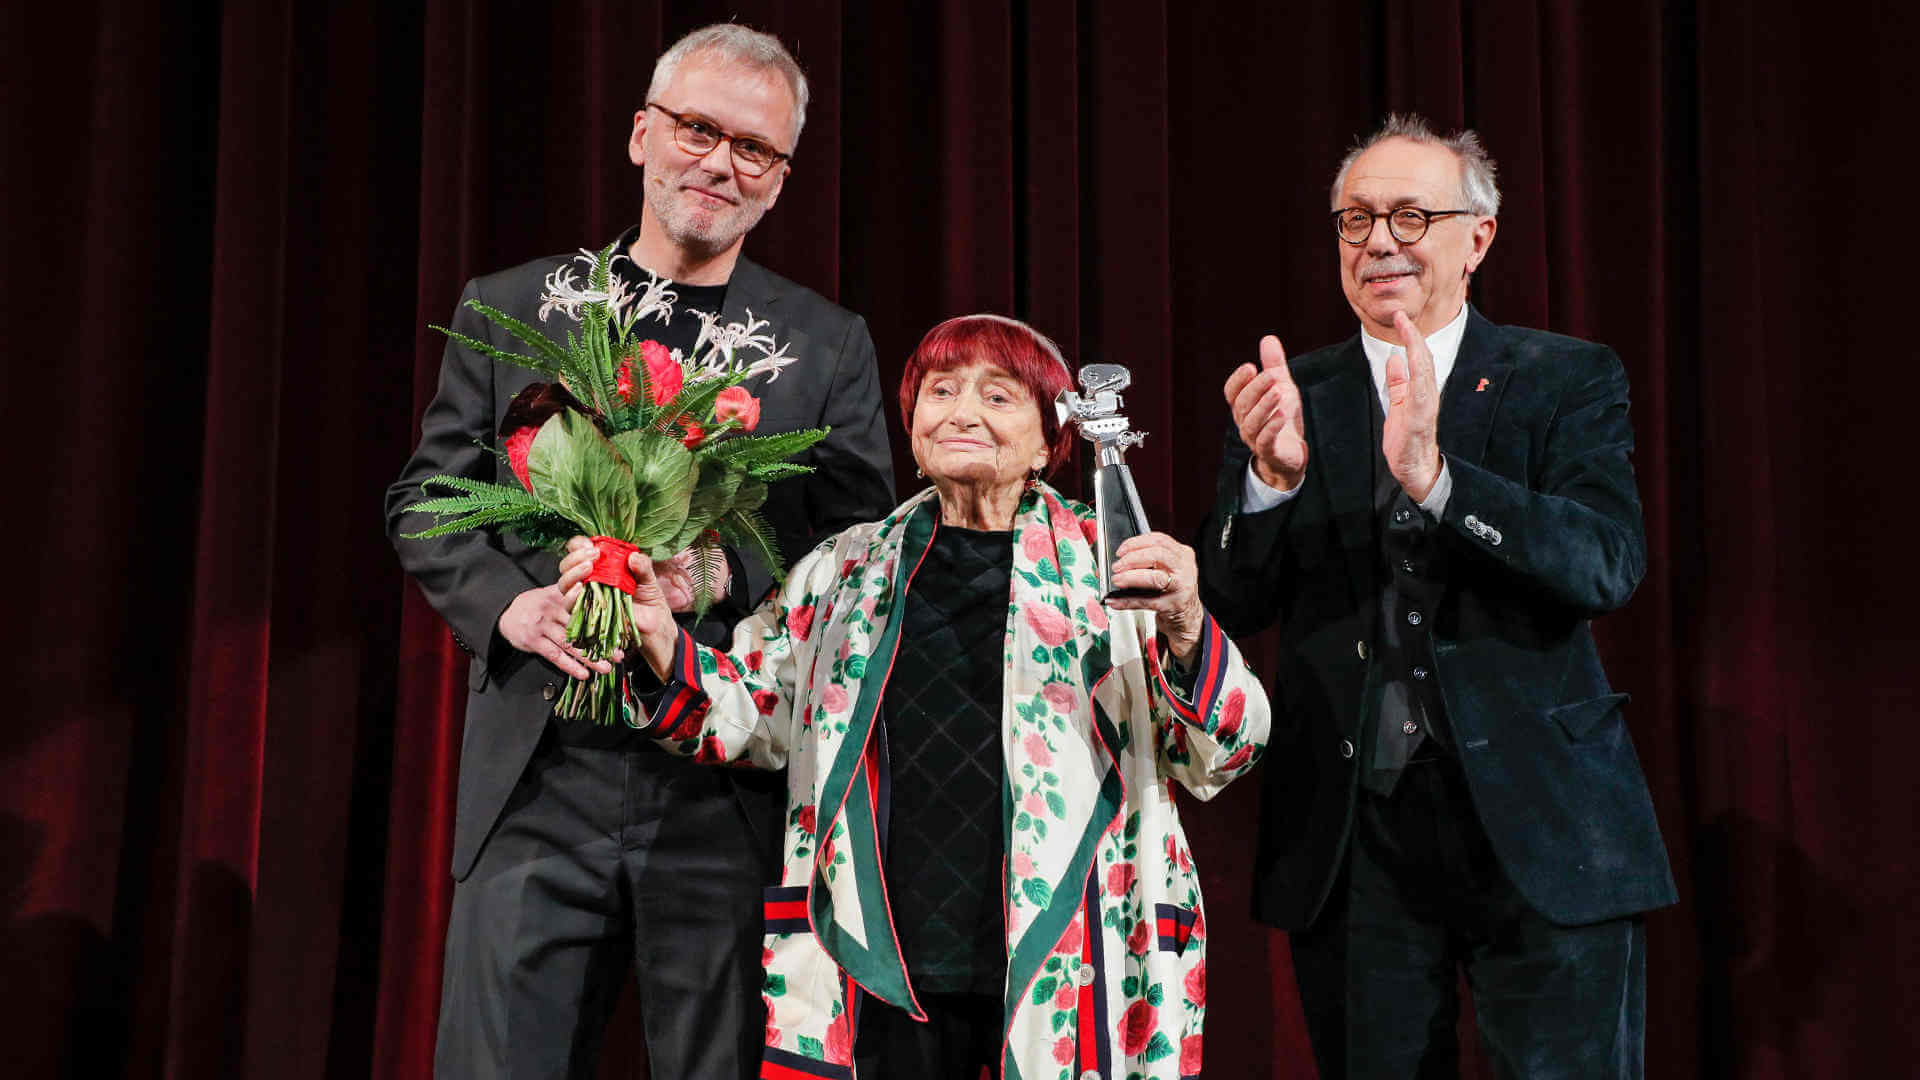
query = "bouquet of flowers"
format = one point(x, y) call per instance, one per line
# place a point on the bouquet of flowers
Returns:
point(640, 448)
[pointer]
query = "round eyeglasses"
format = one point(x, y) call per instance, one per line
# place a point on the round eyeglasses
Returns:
point(1407, 223)
point(698, 136)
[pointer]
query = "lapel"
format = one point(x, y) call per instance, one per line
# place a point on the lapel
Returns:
point(1339, 422)
point(750, 288)
point(1472, 394)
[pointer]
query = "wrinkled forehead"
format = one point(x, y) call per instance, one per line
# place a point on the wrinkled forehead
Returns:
point(1401, 172)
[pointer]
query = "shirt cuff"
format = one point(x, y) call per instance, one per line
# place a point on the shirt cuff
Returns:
point(1257, 495)
point(1435, 504)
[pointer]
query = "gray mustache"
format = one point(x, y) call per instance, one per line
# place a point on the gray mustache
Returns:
point(1398, 264)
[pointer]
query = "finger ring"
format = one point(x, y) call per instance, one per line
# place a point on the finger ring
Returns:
point(1166, 579)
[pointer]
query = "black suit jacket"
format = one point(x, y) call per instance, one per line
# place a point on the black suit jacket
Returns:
point(1541, 533)
point(470, 578)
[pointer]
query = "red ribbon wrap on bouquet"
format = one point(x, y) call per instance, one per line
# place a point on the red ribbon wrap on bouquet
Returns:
point(610, 564)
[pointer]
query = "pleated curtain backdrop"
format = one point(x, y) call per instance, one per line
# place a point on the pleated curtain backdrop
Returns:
point(224, 846)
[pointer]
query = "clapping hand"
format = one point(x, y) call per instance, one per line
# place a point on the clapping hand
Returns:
point(1409, 438)
point(1266, 409)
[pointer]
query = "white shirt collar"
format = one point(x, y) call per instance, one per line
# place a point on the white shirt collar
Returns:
point(1444, 343)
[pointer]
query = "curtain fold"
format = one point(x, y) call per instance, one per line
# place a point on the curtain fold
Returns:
point(225, 851)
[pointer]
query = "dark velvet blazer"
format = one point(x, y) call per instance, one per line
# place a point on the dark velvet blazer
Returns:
point(1541, 533)
point(470, 578)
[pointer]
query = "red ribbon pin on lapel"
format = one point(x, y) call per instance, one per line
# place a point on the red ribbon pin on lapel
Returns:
point(1481, 388)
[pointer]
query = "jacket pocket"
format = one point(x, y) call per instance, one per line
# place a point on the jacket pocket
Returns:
point(1578, 719)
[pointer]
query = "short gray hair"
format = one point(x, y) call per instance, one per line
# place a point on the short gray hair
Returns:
point(1479, 187)
point(740, 45)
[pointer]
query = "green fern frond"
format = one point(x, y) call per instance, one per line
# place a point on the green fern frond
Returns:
point(496, 353)
point(779, 470)
point(697, 400)
point(749, 451)
point(515, 517)
point(480, 504)
point(530, 336)
point(748, 531)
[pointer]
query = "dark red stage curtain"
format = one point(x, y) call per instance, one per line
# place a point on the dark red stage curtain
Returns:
point(224, 848)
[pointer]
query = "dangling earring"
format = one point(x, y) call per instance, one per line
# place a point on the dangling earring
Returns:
point(1033, 477)
point(918, 473)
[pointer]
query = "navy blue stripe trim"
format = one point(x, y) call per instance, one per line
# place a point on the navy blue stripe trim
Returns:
point(787, 926)
point(682, 696)
point(787, 1059)
point(1097, 958)
point(1183, 920)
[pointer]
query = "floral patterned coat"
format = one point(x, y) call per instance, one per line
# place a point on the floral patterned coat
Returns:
point(1093, 738)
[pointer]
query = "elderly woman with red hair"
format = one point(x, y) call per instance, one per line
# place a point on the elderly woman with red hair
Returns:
point(983, 863)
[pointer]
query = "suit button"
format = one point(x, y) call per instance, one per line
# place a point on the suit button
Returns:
point(1472, 523)
point(1090, 1074)
point(1420, 674)
point(1407, 565)
point(1409, 727)
point(1346, 748)
point(1413, 618)
point(1361, 648)
point(549, 692)
point(1085, 975)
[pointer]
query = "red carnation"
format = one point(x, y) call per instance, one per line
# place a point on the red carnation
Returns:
point(623, 381)
point(518, 446)
point(1137, 938)
point(807, 818)
point(734, 403)
point(1136, 1027)
point(1190, 1056)
point(1197, 984)
point(800, 621)
point(1064, 1050)
point(531, 408)
point(694, 437)
point(765, 700)
point(754, 660)
point(1119, 878)
point(664, 376)
point(1230, 714)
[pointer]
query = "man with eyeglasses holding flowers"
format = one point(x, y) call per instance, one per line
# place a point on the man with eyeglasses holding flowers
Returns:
point(1431, 512)
point(582, 852)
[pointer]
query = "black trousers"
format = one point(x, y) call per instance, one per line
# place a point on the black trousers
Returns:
point(608, 861)
point(1422, 899)
point(960, 1037)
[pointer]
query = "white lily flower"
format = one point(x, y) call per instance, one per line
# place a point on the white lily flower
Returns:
point(563, 294)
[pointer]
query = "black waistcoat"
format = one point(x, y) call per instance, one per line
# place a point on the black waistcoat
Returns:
point(1408, 718)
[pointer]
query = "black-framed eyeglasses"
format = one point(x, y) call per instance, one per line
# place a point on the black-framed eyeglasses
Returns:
point(698, 136)
point(1407, 223)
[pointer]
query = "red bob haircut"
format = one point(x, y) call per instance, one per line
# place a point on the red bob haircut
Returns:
point(1019, 349)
